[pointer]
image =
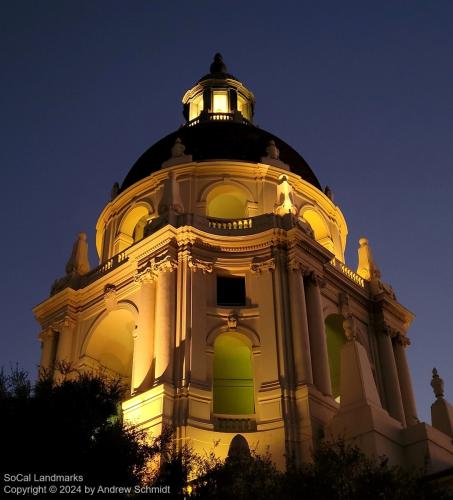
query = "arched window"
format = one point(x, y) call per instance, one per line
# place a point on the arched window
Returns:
point(131, 228)
point(233, 391)
point(320, 228)
point(226, 202)
point(335, 340)
point(139, 229)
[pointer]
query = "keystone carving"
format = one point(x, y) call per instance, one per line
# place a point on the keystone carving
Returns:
point(232, 321)
point(110, 297)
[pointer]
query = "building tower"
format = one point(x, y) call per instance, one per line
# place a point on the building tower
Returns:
point(223, 300)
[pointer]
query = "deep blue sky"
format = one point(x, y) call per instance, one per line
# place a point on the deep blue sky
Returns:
point(363, 90)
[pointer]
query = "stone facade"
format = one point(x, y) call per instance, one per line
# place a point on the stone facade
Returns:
point(312, 350)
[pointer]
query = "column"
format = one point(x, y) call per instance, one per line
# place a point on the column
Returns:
point(317, 334)
point(407, 393)
point(65, 329)
point(48, 340)
point(142, 365)
point(164, 339)
point(390, 376)
point(299, 327)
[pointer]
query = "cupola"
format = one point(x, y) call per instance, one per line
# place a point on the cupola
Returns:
point(218, 96)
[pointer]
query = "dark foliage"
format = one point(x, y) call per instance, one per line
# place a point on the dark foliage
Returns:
point(75, 427)
point(72, 427)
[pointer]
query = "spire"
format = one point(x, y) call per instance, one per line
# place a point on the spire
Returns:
point(366, 268)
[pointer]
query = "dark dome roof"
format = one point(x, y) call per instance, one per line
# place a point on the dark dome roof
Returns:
point(218, 140)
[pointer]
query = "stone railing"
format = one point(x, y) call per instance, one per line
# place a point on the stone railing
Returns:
point(358, 280)
point(77, 281)
point(206, 117)
point(105, 267)
point(234, 424)
point(233, 224)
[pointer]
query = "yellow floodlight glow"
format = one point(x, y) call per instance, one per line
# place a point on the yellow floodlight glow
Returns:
point(220, 101)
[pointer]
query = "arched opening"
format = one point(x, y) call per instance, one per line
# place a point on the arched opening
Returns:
point(239, 448)
point(132, 228)
point(233, 392)
point(139, 229)
point(226, 202)
point(320, 228)
point(111, 344)
point(335, 340)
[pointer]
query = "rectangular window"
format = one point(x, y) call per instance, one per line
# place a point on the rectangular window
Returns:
point(230, 290)
point(220, 101)
point(243, 107)
point(196, 107)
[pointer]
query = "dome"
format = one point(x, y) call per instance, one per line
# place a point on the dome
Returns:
point(219, 126)
point(219, 140)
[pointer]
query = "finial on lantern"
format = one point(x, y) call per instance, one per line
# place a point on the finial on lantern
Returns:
point(218, 66)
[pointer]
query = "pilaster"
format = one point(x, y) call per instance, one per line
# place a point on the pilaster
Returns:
point(143, 358)
point(318, 341)
point(400, 342)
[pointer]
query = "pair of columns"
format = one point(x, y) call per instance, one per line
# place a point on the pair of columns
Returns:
point(396, 376)
point(311, 358)
point(310, 349)
point(153, 337)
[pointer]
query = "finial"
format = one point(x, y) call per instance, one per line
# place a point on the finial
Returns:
point(218, 66)
point(437, 384)
point(272, 151)
point(178, 149)
point(366, 268)
point(78, 263)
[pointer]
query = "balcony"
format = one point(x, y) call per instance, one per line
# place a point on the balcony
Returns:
point(358, 280)
point(208, 117)
point(234, 424)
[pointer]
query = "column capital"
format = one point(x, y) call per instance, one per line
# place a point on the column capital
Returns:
point(315, 278)
point(401, 339)
point(47, 334)
point(165, 263)
point(66, 322)
point(386, 330)
point(295, 264)
point(145, 274)
point(204, 265)
point(259, 266)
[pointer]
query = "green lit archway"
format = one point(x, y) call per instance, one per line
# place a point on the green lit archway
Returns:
point(233, 392)
point(335, 340)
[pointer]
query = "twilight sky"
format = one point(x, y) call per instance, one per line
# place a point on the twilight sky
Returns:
point(363, 90)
